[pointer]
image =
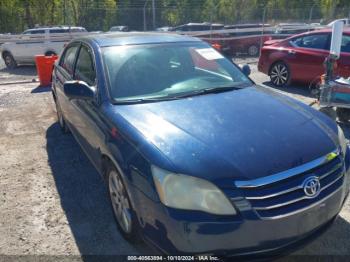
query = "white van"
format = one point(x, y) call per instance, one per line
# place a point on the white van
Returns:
point(22, 49)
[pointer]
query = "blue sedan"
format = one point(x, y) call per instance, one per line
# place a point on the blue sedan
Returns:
point(198, 159)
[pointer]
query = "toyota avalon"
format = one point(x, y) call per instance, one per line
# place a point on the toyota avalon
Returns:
point(198, 159)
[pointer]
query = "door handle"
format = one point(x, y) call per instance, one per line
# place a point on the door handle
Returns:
point(291, 52)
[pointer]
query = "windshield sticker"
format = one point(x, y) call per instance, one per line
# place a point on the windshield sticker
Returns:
point(209, 53)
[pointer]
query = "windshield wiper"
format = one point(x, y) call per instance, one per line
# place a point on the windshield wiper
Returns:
point(204, 91)
point(210, 90)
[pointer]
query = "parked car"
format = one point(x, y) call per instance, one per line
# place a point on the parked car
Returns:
point(54, 30)
point(197, 27)
point(120, 28)
point(243, 26)
point(237, 42)
point(22, 49)
point(164, 29)
point(201, 160)
point(300, 58)
point(283, 30)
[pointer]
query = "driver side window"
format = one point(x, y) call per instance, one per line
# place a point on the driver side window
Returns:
point(85, 69)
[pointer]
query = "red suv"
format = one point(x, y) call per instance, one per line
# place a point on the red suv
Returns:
point(300, 58)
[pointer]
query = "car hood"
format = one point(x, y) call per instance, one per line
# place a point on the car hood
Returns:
point(242, 134)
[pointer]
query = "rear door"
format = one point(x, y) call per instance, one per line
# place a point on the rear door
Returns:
point(306, 56)
point(29, 45)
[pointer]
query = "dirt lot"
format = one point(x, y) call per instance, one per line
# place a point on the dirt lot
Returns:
point(53, 202)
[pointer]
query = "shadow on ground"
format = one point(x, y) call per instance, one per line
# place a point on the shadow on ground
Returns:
point(84, 199)
point(24, 70)
point(41, 89)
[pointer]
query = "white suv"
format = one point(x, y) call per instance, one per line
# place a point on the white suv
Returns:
point(23, 48)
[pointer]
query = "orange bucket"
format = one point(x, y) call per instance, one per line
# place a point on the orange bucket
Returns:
point(44, 67)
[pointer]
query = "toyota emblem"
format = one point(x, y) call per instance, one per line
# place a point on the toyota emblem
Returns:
point(312, 187)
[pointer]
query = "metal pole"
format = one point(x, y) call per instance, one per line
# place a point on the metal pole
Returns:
point(263, 28)
point(144, 16)
point(211, 18)
point(64, 12)
point(154, 14)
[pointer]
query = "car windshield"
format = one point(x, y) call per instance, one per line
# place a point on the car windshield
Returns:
point(159, 71)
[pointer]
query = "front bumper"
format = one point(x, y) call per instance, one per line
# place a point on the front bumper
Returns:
point(189, 232)
point(174, 233)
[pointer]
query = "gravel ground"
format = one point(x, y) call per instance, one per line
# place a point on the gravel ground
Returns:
point(53, 202)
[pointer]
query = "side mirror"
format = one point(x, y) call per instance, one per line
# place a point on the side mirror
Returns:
point(246, 70)
point(78, 90)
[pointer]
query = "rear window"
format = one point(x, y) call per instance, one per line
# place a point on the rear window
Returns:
point(32, 32)
point(76, 30)
point(58, 31)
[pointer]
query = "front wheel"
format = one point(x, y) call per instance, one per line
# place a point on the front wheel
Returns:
point(123, 212)
point(279, 74)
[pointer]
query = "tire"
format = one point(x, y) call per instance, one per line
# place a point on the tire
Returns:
point(253, 50)
point(279, 74)
point(124, 214)
point(10, 62)
point(60, 119)
point(343, 114)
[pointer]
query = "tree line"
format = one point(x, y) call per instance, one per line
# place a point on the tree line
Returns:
point(99, 15)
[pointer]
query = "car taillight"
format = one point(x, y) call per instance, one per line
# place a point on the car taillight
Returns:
point(217, 46)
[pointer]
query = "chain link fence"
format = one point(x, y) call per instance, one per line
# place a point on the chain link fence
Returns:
point(101, 18)
point(146, 17)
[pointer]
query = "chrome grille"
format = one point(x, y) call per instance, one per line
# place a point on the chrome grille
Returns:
point(283, 194)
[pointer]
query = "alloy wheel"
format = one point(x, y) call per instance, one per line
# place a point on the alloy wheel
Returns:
point(279, 74)
point(120, 202)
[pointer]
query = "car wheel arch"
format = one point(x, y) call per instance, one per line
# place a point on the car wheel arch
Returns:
point(108, 162)
point(4, 52)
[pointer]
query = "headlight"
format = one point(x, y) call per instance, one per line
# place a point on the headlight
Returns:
point(342, 140)
point(190, 193)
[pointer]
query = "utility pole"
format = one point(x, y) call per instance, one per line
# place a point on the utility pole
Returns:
point(262, 29)
point(311, 12)
point(154, 14)
point(211, 18)
point(64, 12)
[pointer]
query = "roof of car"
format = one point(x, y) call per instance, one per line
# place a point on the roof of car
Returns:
point(137, 38)
point(324, 30)
point(54, 27)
